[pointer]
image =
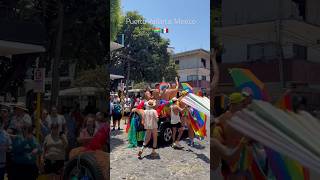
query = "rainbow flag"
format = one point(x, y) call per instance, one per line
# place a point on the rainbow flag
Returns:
point(198, 122)
point(187, 87)
point(157, 30)
point(163, 86)
point(285, 102)
point(282, 166)
point(244, 79)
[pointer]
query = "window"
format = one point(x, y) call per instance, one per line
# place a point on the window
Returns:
point(192, 78)
point(261, 51)
point(299, 52)
point(177, 62)
point(203, 78)
point(203, 61)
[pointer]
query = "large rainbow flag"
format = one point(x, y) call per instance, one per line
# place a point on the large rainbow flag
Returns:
point(282, 167)
point(198, 122)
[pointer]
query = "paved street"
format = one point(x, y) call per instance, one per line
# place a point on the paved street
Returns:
point(189, 163)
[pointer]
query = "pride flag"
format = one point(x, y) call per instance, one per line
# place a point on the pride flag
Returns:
point(244, 79)
point(284, 167)
point(163, 86)
point(187, 87)
point(198, 122)
point(281, 166)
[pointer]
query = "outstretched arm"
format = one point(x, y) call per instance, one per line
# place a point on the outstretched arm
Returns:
point(177, 83)
point(215, 79)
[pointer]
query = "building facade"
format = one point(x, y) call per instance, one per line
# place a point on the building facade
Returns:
point(279, 40)
point(194, 68)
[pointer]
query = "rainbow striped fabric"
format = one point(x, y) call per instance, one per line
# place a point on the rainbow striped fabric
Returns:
point(198, 122)
point(187, 87)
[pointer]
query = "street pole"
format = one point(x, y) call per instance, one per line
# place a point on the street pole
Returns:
point(38, 109)
point(279, 42)
point(56, 62)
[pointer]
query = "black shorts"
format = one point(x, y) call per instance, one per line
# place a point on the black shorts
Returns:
point(178, 125)
point(117, 117)
point(53, 167)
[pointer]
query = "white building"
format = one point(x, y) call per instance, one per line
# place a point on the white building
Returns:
point(194, 67)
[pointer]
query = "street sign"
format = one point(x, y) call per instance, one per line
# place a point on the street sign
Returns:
point(39, 80)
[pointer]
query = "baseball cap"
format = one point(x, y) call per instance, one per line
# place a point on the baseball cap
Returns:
point(236, 98)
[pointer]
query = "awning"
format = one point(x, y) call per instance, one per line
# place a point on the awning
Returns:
point(115, 46)
point(8, 48)
point(79, 91)
point(113, 77)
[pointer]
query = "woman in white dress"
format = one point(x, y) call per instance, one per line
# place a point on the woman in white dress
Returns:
point(150, 121)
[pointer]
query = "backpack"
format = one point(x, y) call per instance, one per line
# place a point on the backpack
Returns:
point(117, 109)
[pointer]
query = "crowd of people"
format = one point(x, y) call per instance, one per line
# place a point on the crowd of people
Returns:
point(23, 156)
point(148, 108)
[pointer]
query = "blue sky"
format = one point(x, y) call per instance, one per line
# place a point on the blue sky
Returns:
point(182, 36)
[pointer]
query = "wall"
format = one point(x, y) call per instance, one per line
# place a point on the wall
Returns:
point(249, 11)
point(313, 11)
point(200, 72)
point(235, 42)
point(192, 65)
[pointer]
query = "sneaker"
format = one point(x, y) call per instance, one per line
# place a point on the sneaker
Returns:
point(178, 146)
point(119, 128)
point(113, 129)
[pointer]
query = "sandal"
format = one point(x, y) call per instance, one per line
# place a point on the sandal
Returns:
point(154, 154)
point(139, 154)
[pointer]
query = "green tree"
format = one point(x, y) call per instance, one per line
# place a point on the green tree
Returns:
point(115, 18)
point(145, 51)
point(96, 77)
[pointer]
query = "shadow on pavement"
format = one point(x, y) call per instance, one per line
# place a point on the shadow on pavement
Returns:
point(114, 142)
point(203, 158)
point(116, 132)
point(152, 158)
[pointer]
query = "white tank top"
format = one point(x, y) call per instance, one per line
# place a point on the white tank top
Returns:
point(175, 119)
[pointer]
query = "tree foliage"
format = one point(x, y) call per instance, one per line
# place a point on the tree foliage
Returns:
point(96, 77)
point(84, 32)
point(115, 18)
point(146, 51)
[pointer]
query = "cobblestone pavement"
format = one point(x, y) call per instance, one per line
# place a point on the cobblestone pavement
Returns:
point(189, 163)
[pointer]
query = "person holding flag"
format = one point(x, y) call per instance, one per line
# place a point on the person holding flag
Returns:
point(176, 123)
